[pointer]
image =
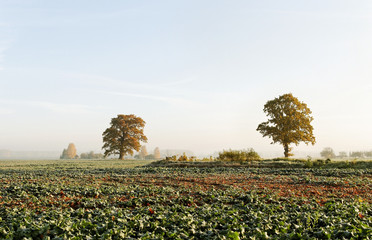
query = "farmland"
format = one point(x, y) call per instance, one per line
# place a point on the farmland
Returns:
point(110, 199)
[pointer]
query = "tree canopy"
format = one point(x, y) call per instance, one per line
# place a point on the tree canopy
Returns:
point(289, 122)
point(124, 135)
point(143, 152)
point(70, 152)
point(328, 153)
point(157, 154)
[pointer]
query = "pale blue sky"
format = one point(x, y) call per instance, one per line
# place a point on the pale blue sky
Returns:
point(198, 72)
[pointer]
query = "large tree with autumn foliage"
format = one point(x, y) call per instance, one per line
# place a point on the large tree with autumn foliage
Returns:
point(124, 135)
point(289, 122)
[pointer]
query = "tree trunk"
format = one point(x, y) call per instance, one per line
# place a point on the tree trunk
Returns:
point(286, 150)
point(121, 157)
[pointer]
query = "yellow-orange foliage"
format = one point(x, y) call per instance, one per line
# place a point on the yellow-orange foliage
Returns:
point(289, 122)
point(70, 152)
point(143, 153)
point(157, 153)
point(124, 135)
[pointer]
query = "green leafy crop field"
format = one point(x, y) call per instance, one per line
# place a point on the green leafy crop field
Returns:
point(111, 199)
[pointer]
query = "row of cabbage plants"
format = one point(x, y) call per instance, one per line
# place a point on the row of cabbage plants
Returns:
point(172, 203)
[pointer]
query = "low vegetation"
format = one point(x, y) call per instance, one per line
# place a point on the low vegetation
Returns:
point(238, 155)
point(234, 158)
point(99, 199)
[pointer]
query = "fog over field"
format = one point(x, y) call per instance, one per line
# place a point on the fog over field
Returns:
point(198, 72)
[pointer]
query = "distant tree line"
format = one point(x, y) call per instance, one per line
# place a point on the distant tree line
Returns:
point(360, 154)
point(224, 156)
point(143, 154)
point(71, 153)
point(91, 155)
point(329, 153)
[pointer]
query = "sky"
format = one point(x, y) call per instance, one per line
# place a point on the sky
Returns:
point(198, 72)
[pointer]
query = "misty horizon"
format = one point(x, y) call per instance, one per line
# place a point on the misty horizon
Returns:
point(6, 154)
